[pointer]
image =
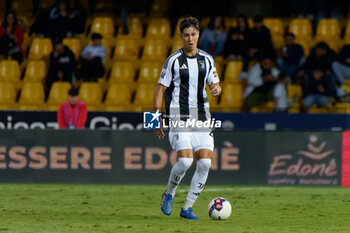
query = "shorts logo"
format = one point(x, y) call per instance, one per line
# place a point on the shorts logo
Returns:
point(151, 120)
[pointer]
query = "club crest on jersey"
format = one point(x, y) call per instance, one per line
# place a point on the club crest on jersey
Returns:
point(202, 65)
point(183, 67)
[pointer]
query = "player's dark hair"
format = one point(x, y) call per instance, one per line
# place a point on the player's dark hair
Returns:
point(258, 19)
point(95, 36)
point(189, 22)
point(289, 34)
point(73, 92)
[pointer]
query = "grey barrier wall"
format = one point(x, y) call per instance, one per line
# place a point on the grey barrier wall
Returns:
point(138, 157)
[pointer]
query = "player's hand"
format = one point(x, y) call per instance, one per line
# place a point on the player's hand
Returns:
point(159, 132)
point(215, 89)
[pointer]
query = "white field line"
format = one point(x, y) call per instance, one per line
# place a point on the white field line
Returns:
point(236, 189)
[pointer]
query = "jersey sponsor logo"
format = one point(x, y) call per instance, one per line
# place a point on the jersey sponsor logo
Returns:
point(183, 67)
point(215, 74)
point(162, 75)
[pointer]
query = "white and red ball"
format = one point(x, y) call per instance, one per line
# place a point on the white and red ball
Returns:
point(219, 208)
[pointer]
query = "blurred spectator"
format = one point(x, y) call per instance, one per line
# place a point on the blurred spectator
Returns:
point(320, 56)
point(213, 38)
point(93, 59)
point(11, 38)
point(77, 18)
point(237, 41)
point(64, 19)
point(341, 67)
point(62, 65)
point(291, 56)
point(261, 81)
point(280, 94)
point(259, 44)
point(317, 88)
point(72, 114)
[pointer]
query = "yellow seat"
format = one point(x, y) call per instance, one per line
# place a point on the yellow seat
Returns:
point(295, 94)
point(328, 28)
point(40, 48)
point(122, 72)
point(301, 28)
point(347, 33)
point(9, 71)
point(277, 31)
point(103, 26)
point(177, 44)
point(149, 72)
point(32, 93)
point(204, 22)
point(159, 8)
point(7, 93)
point(233, 69)
point(35, 71)
point(158, 28)
point(74, 45)
point(154, 50)
point(333, 43)
point(177, 29)
point(232, 96)
point(135, 27)
point(118, 94)
point(144, 95)
point(59, 92)
point(44, 5)
point(305, 43)
point(90, 93)
point(22, 7)
point(126, 48)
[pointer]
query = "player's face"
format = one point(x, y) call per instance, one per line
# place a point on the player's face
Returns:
point(190, 37)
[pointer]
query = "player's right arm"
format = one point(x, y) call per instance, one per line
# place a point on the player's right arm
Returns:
point(157, 104)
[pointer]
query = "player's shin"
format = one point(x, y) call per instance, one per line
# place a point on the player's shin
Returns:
point(177, 173)
point(198, 181)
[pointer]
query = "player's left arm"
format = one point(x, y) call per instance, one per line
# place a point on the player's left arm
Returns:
point(157, 104)
point(213, 80)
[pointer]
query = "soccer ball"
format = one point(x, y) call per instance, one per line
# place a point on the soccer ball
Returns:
point(219, 208)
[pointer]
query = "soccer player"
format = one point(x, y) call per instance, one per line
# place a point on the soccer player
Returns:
point(183, 80)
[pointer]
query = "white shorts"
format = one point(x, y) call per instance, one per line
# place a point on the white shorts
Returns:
point(195, 140)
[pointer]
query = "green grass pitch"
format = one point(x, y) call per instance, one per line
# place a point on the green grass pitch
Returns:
point(135, 208)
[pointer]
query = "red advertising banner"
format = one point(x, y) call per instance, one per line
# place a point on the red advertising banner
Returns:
point(346, 159)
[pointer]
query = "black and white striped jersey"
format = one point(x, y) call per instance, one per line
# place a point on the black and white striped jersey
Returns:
point(186, 79)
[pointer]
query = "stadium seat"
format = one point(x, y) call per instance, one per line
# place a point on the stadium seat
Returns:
point(32, 93)
point(126, 48)
point(233, 69)
point(159, 8)
point(158, 28)
point(118, 94)
point(333, 43)
point(135, 27)
point(154, 50)
point(22, 8)
point(58, 92)
point(90, 93)
point(347, 33)
point(204, 22)
point(103, 26)
point(149, 72)
point(305, 43)
point(177, 28)
point(35, 71)
point(7, 93)
point(144, 95)
point(45, 5)
point(40, 48)
point(122, 72)
point(9, 71)
point(74, 45)
point(275, 25)
point(230, 22)
point(231, 96)
point(295, 94)
point(301, 28)
point(177, 44)
point(328, 28)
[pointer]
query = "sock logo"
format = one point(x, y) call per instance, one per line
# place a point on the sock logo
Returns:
point(200, 185)
point(177, 178)
point(196, 194)
point(174, 183)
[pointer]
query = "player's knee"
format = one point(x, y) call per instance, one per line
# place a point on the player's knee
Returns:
point(204, 164)
point(185, 163)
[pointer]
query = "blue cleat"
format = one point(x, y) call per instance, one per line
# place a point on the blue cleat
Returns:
point(167, 201)
point(188, 214)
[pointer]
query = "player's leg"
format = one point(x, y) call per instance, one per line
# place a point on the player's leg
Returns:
point(198, 181)
point(180, 142)
point(203, 146)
